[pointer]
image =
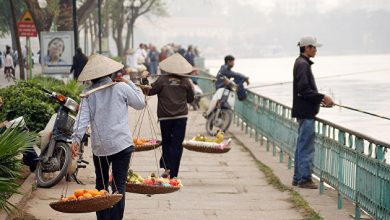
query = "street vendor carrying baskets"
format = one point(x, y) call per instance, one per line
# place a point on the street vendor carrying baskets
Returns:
point(174, 92)
point(105, 108)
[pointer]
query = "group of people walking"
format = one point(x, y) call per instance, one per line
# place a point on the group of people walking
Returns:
point(147, 57)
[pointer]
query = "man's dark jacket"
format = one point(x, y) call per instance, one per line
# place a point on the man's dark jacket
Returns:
point(306, 99)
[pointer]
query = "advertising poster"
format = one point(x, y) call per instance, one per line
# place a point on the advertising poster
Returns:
point(57, 51)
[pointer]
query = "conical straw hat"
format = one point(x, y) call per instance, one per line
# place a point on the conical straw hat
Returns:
point(176, 64)
point(99, 66)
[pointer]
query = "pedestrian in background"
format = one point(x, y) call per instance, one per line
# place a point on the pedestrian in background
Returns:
point(8, 62)
point(79, 61)
point(306, 105)
point(153, 58)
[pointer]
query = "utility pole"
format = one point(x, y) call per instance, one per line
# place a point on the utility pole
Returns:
point(75, 28)
point(18, 47)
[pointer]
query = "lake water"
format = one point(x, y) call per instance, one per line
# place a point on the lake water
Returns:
point(358, 81)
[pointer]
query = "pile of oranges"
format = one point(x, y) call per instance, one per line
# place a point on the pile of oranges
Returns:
point(139, 141)
point(81, 194)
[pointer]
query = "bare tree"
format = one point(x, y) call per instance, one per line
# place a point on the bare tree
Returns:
point(152, 7)
point(61, 10)
point(122, 17)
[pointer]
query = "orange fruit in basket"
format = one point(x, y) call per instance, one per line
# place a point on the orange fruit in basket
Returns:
point(64, 199)
point(71, 197)
point(87, 195)
point(80, 197)
point(79, 192)
point(93, 192)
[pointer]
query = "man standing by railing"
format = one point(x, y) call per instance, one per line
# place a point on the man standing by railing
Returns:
point(306, 105)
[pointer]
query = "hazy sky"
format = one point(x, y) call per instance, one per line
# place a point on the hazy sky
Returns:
point(257, 28)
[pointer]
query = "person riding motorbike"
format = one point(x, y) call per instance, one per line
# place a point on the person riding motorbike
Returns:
point(238, 78)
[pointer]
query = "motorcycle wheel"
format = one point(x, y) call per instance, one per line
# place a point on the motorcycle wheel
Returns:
point(48, 179)
point(221, 121)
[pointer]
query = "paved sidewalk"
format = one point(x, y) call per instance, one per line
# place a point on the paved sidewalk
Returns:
point(225, 186)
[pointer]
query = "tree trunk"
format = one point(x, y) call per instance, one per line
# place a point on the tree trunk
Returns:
point(128, 35)
point(13, 37)
point(85, 38)
point(86, 10)
point(106, 15)
point(93, 27)
point(18, 47)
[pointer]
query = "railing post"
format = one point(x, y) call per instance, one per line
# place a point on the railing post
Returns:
point(341, 140)
point(273, 149)
point(380, 153)
point(359, 147)
point(267, 145)
point(256, 135)
point(281, 156)
point(289, 163)
point(322, 149)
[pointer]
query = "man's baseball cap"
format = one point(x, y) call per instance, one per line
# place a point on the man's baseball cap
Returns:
point(307, 41)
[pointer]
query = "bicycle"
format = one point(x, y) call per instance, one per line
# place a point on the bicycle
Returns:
point(8, 72)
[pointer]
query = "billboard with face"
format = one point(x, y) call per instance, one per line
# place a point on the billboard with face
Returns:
point(56, 51)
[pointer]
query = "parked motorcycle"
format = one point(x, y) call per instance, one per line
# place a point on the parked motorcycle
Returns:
point(220, 112)
point(55, 160)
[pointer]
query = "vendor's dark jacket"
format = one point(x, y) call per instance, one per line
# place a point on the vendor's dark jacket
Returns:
point(306, 99)
point(173, 92)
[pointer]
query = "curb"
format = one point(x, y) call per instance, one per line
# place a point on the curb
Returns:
point(20, 200)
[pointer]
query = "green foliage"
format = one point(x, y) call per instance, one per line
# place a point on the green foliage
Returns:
point(26, 99)
point(12, 143)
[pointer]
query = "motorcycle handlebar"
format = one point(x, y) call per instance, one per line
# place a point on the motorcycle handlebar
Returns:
point(47, 91)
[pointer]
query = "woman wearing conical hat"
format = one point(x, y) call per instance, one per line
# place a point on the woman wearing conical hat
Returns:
point(104, 108)
point(174, 92)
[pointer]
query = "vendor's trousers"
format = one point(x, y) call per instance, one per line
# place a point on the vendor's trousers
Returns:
point(172, 133)
point(120, 165)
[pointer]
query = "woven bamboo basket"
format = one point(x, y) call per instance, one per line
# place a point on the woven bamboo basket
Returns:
point(150, 189)
point(87, 205)
point(205, 147)
point(147, 146)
